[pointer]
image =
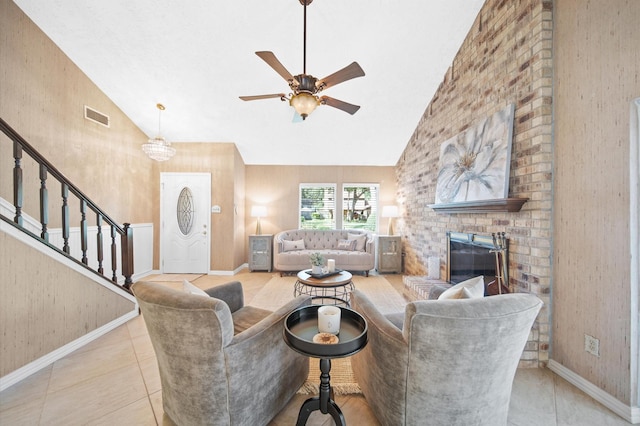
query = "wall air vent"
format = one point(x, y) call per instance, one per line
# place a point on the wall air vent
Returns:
point(96, 116)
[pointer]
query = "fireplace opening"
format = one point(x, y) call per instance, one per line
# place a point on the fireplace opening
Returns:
point(471, 255)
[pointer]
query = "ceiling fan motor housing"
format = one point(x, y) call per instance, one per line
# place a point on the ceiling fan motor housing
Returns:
point(306, 83)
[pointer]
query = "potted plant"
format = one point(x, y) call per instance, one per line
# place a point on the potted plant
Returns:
point(317, 261)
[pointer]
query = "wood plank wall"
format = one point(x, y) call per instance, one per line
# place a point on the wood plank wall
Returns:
point(597, 68)
point(46, 307)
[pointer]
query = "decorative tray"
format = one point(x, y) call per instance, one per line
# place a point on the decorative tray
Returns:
point(324, 275)
point(302, 324)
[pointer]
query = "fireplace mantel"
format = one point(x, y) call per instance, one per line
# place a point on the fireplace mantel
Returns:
point(482, 206)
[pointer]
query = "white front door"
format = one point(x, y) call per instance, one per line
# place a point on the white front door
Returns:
point(185, 200)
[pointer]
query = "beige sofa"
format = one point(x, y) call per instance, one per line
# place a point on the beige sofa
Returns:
point(291, 249)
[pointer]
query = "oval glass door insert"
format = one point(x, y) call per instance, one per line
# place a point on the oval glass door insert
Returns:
point(185, 211)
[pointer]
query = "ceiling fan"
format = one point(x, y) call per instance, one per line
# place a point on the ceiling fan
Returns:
point(305, 87)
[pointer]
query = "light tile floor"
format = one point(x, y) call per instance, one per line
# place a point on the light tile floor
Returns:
point(114, 380)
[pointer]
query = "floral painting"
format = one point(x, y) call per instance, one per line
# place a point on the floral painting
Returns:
point(474, 165)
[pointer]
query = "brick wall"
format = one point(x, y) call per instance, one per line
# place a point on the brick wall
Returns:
point(506, 58)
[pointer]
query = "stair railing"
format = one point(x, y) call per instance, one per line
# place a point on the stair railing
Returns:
point(67, 189)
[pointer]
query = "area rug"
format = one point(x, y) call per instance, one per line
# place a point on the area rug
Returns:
point(279, 290)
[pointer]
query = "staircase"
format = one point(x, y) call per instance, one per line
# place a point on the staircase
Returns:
point(61, 286)
point(120, 268)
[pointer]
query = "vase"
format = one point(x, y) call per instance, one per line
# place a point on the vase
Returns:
point(316, 269)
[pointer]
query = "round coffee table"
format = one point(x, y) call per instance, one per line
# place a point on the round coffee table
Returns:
point(329, 290)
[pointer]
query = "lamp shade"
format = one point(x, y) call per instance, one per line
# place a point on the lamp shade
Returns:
point(258, 211)
point(304, 103)
point(390, 211)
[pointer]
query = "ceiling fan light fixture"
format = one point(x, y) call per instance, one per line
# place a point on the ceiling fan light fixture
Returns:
point(304, 103)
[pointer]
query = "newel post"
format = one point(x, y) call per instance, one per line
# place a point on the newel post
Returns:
point(127, 255)
point(17, 183)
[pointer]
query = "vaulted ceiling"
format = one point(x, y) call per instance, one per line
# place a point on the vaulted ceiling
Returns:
point(197, 57)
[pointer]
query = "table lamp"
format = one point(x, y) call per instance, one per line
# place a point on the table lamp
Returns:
point(390, 212)
point(258, 211)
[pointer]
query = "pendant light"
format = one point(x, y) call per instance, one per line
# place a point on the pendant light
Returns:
point(158, 148)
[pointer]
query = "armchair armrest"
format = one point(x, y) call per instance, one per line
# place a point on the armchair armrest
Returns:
point(274, 321)
point(377, 322)
point(381, 367)
point(259, 360)
point(231, 293)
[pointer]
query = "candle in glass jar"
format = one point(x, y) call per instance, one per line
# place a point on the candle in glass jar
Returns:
point(329, 319)
point(331, 265)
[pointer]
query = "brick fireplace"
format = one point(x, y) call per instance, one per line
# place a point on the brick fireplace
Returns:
point(504, 59)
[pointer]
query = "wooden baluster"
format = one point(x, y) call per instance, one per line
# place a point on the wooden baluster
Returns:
point(127, 255)
point(17, 183)
point(99, 243)
point(44, 203)
point(114, 261)
point(83, 230)
point(65, 217)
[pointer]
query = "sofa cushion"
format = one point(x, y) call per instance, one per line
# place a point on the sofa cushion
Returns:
point(361, 240)
point(469, 289)
point(292, 245)
point(349, 245)
point(187, 287)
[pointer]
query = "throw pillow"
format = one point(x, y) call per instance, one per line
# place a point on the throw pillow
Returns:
point(288, 245)
point(469, 289)
point(361, 240)
point(348, 245)
point(190, 288)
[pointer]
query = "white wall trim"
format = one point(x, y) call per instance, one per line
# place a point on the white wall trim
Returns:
point(234, 272)
point(42, 362)
point(142, 244)
point(628, 413)
point(634, 240)
point(44, 249)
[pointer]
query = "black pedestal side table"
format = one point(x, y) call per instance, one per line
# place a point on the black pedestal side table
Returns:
point(299, 328)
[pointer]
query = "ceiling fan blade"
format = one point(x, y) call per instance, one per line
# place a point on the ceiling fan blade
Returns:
point(346, 73)
point(274, 63)
point(346, 107)
point(257, 97)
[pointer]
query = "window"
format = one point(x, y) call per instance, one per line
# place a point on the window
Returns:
point(360, 206)
point(317, 206)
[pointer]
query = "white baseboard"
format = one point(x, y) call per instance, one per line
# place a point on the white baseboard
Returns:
point(628, 413)
point(234, 272)
point(48, 359)
point(212, 272)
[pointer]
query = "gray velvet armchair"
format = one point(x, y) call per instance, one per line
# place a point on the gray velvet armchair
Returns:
point(444, 362)
point(220, 362)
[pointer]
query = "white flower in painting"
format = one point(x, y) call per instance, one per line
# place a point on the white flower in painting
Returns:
point(473, 164)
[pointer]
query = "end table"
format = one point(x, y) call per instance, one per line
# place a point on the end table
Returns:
point(299, 328)
point(260, 249)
